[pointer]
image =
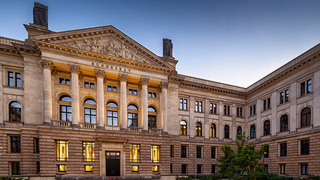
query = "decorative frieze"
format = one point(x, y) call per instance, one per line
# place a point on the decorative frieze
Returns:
point(74, 68)
point(123, 77)
point(45, 64)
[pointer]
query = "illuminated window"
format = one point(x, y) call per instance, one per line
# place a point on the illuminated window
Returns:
point(135, 168)
point(183, 127)
point(155, 168)
point(213, 130)
point(62, 150)
point(62, 168)
point(88, 168)
point(198, 129)
point(282, 168)
point(134, 153)
point(88, 151)
point(155, 153)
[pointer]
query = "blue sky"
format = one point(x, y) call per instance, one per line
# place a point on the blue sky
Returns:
point(231, 41)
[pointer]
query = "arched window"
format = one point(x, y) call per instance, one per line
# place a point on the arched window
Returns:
point(198, 129)
point(239, 131)
point(226, 132)
point(112, 114)
point(152, 118)
point(266, 128)
point(213, 130)
point(65, 108)
point(90, 112)
point(183, 127)
point(252, 131)
point(132, 116)
point(306, 117)
point(15, 111)
point(284, 123)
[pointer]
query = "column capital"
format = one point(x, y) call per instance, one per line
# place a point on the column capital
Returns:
point(46, 64)
point(123, 77)
point(164, 85)
point(144, 81)
point(74, 68)
point(100, 73)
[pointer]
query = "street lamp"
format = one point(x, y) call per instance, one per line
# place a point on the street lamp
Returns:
point(194, 159)
point(264, 153)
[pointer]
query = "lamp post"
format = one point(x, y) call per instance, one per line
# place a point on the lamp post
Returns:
point(193, 156)
point(264, 170)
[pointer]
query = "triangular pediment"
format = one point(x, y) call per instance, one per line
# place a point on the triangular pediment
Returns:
point(107, 41)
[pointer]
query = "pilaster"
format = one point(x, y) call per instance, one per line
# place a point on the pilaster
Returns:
point(123, 101)
point(100, 97)
point(144, 102)
point(164, 114)
point(75, 71)
point(47, 66)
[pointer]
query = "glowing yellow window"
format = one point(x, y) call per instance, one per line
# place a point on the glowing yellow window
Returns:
point(88, 168)
point(62, 150)
point(155, 153)
point(155, 168)
point(135, 168)
point(134, 153)
point(62, 168)
point(88, 151)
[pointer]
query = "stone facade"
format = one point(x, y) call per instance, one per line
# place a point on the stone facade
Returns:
point(105, 65)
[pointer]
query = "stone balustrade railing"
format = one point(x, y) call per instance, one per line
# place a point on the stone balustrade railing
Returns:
point(8, 41)
point(88, 126)
point(61, 123)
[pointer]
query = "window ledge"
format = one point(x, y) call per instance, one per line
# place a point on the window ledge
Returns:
point(199, 138)
point(13, 123)
point(283, 133)
point(214, 139)
point(303, 129)
point(266, 137)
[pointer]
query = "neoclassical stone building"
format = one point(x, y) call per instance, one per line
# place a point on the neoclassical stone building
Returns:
point(95, 103)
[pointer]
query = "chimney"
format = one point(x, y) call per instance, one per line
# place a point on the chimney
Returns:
point(167, 48)
point(40, 15)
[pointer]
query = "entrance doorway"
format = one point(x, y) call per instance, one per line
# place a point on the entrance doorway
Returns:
point(112, 163)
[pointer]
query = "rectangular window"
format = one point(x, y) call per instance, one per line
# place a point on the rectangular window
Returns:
point(304, 169)
point(171, 168)
point(183, 169)
point(133, 91)
point(283, 149)
point(281, 98)
point(199, 168)
point(181, 103)
point(303, 88)
point(200, 106)
point(155, 153)
point(213, 168)
point(10, 79)
point(239, 111)
point(89, 85)
point(88, 168)
point(15, 144)
point(14, 79)
point(286, 97)
point(305, 146)
point(37, 167)
point(183, 151)
point(282, 168)
point(134, 153)
point(64, 81)
point(36, 145)
point(18, 80)
point(152, 95)
point(252, 110)
point(171, 151)
point(211, 108)
point(197, 106)
point(309, 86)
point(62, 168)
point(267, 104)
point(213, 152)
point(65, 113)
point(155, 168)
point(266, 168)
point(112, 118)
point(199, 152)
point(62, 151)
point(88, 151)
point(112, 88)
point(15, 168)
point(266, 153)
point(185, 104)
point(135, 168)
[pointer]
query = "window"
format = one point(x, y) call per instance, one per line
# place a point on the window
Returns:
point(183, 104)
point(133, 92)
point(306, 117)
point(199, 168)
point(239, 111)
point(267, 104)
point(306, 87)
point(226, 131)
point(171, 151)
point(37, 167)
point(253, 110)
point(15, 144)
point(14, 79)
point(88, 151)
point(304, 169)
point(89, 85)
point(90, 113)
point(65, 108)
point(183, 151)
point(213, 152)
point(252, 131)
point(305, 146)
point(183, 169)
point(152, 95)
point(152, 118)
point(155, 153)
point(62, 150)
point(284, 96)
point(183, 127)
point(198, 129)
point(112, 114)
point(15, 111)
point(62, 168)
point(239, 131)
point(171, 168)
point(282, 168)
point(226, 110)
point(134, 153)
point(36, 147)
point(15, 168)
point(88, 168)
point(213, 130)
point(112, 88)
point(213, 108)
point(266, 128)
point(198, 106)
point(199, 152)
point(283, 149)
point(284, 123)
point(266, 152)
point(155, 168)
point(265, 168)
point(132, 116)
point(135, 168)
point(213, 169)
point(64, 81)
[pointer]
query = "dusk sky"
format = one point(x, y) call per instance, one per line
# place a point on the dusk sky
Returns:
point(230, 41)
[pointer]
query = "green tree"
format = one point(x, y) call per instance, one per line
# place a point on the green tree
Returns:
point(242, 161)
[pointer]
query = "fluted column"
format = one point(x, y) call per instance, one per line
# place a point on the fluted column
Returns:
point(75, 70)
point(164, 87)
point(100, 98)
point(47, 91)
point(144, 102)
point(123, 101)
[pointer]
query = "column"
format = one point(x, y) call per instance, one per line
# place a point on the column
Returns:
point(47, 91)
point(206, 125)
point(144, 102)
point(100, 98)
point(164, 87)
point(75, 70)
point(233, 129)
point(123, 101)
point(221, 124)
